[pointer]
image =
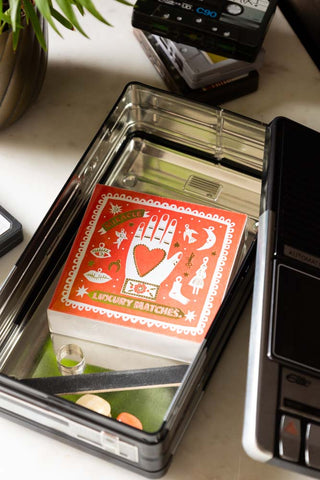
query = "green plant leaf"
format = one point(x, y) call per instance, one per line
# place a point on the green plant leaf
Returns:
point(66, 8)
point(15, 38)
point(5, 18)
point(88, 5)
point(45, 10)
point(15, 13)
point(15, 7)
point(34, 20)
point(79, 7)
point(124, 2)
point(61, 19)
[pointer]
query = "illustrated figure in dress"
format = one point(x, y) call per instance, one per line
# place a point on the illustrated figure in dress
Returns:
point(197, 282)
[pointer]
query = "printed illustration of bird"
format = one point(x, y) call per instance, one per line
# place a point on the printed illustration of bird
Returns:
point(188, 233)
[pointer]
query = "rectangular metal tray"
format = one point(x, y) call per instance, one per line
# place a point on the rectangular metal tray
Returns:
point(154, 142)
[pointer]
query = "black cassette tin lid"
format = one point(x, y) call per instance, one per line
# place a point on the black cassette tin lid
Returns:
point(284, 319)
point(295, 149)
point(291, 197)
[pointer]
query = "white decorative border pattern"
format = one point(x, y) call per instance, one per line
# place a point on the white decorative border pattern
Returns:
point(178, 329)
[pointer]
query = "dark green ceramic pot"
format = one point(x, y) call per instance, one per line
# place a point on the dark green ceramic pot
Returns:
point(21, 73)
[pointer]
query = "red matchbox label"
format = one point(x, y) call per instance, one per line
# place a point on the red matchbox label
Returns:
point(149, 263)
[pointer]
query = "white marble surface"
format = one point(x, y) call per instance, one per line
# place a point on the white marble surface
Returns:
point(37, 154)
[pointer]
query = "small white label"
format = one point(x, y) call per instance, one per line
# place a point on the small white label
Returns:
point(4, 225)
point(261, 5)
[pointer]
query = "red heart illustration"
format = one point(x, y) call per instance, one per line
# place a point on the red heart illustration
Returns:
point(147, 259)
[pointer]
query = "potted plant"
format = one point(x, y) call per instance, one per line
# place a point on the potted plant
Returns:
point(23, 47)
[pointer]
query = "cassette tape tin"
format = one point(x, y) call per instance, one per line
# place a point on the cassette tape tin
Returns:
point(212, 93)
point(200, 68)
point(232, 29)
point(154, 143)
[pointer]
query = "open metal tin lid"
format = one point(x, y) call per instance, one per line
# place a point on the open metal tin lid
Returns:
point(158, 143)
point(232, 141)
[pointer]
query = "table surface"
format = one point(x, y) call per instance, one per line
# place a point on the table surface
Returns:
point(37, 154)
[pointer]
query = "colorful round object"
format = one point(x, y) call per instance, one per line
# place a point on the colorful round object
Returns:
point(129, 419)
point(95, 403)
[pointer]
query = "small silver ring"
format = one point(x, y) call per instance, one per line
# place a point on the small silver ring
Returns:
point(73, 352)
